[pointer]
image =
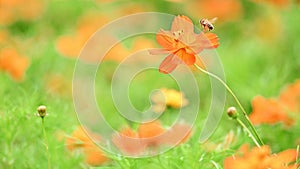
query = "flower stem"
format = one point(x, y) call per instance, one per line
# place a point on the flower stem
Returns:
point(253, 133)
point(248, 131)
point(46, 144)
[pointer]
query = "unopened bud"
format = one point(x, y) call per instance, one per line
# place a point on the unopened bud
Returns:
point(41, 111)
point(231, 112)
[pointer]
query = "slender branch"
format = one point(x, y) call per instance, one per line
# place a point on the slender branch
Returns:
point(254, 133)
point(46, 144)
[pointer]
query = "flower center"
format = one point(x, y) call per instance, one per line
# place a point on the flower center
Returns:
point(177, 35)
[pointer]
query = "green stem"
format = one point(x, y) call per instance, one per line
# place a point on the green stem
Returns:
point(248, 131)
point(46, 144)
point(254, 133)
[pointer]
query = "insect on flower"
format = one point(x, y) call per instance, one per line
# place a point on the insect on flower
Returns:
point(182, 44)
point(207, 24)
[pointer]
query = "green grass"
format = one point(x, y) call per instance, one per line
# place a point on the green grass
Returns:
point(252, 67)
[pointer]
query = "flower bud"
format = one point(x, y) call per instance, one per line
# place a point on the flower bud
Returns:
point(231, 112)
point(42, 111)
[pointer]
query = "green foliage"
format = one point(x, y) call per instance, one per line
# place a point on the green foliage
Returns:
point(253, 66)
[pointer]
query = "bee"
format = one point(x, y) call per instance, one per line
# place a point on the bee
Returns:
point(207, 24)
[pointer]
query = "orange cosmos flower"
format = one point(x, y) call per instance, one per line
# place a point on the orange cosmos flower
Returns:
point(94, 155)
point(290, 97)
point(268, 111)
point(261, 158)
point(79, 139)
point(151, 131)
point(179, 133)
point(128, 142)
point(150, 135)
point(13, 63)
point(182, 44)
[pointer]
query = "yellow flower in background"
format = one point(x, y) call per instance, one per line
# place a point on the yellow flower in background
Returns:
point(168, 97)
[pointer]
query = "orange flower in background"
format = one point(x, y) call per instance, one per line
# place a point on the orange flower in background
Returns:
point(3, 36)
point(168, 97)
point(132, 8)
point(261, 158)
point(290, 97)
point(127, 142)
point(142, 43)
point(94, 155)
point(179, 133)
point(277, 3)
point(151, 131)
point(119, 51)
point(13, 10)
point(277, 110)
point(223, 10)
point(175, 1)
point(182, 44)
point(13, 63)
point(268, 111)
point(79, 139)
point(70, 46)
point(150, 136)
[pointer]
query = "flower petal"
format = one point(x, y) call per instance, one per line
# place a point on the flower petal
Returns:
point(169, 64)
point(182, 22)
point(187, 58)
point(214, 40)
point(205, 41)
point(287, 156)
point(158, 51)
point(268, 111)
point(165, 39)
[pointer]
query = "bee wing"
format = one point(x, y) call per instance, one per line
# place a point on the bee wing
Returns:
point(200, 20)
point(213, 20)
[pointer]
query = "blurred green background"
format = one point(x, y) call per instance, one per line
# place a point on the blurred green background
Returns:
point(259, 43)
